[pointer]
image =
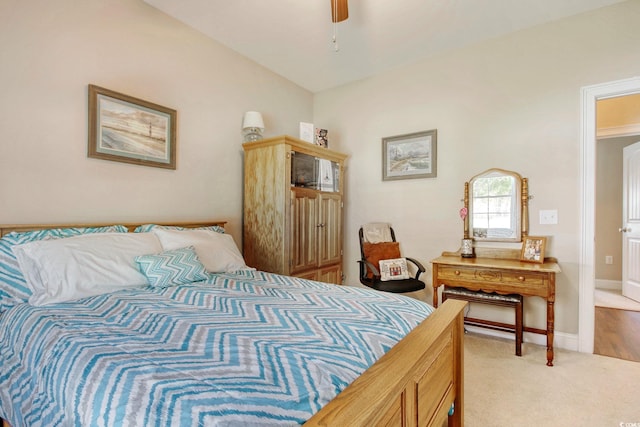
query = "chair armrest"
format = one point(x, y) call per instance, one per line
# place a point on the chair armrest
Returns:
point(419, 266)
point(366, 265)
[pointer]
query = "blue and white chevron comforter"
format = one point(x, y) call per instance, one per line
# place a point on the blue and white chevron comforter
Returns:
point(248, 348)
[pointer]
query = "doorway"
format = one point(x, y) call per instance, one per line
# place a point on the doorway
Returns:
point(589, 97)
point(611, 145)
point(617, 317)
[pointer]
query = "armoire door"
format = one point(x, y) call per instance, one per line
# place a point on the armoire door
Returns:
point(330, 229)
point(304, 225)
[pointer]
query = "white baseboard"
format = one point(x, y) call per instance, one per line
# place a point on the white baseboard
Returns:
point(560, 339)
point(609, 284)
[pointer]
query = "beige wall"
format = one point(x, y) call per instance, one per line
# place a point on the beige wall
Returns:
point(51, 50)
point(512, 103)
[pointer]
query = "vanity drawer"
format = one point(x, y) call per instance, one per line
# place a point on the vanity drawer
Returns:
point(491, 275)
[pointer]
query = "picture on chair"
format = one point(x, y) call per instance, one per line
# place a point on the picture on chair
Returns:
point(393, 269)
point(410, 156)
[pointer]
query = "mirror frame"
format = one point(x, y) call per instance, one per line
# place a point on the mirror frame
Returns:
point(522, 212)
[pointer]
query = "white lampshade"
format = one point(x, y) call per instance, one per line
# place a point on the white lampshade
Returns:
point(252, 119)
point(252, 126)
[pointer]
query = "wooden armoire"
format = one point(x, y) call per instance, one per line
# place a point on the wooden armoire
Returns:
point(293, 208)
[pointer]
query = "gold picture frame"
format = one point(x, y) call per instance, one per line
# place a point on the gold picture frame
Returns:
point(533, 249)
point(127, 129)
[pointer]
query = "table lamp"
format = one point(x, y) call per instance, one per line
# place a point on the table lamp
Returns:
point(252, 126)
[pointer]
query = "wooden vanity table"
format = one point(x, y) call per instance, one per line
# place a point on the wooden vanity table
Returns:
point(501, 271)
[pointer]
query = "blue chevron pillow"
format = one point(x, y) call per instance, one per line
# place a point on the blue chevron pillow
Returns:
point(170, 268)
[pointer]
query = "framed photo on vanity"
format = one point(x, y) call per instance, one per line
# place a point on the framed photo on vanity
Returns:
point(533, 249)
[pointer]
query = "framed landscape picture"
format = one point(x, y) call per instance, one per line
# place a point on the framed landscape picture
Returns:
point(409, 156)
point(126, 129)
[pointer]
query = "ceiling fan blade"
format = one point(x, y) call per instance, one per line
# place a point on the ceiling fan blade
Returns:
point(339, 10)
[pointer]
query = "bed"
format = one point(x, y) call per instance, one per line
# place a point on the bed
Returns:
point(235, 347)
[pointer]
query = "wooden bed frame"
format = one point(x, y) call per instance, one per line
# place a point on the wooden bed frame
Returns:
point(419, 382)
point(6, 229)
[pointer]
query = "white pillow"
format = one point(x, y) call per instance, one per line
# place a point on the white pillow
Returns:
point(77, 267)
point(218, 252)
point(393, 269)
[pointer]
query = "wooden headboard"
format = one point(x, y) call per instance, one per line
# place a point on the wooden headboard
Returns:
point(6, 229)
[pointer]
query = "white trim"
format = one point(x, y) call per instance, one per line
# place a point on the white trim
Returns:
point(561, 339)
point(618, 131)
point(615, 285)
point(589, 95)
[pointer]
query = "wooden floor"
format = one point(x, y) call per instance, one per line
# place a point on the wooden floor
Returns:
point(617, 333)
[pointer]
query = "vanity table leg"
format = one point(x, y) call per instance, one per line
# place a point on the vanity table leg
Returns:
point(550, 326)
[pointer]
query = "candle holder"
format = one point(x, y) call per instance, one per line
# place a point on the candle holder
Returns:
point(466, 249)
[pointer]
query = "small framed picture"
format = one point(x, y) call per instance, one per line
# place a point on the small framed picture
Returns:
point(533, 249)
point(306, 132)
point(322, 139)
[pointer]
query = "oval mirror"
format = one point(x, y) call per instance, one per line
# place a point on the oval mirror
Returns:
point(497, 206)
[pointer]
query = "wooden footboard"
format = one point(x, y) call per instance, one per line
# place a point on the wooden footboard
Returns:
point(414, 384)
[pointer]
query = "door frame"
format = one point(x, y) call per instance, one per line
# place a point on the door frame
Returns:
point(589, 95)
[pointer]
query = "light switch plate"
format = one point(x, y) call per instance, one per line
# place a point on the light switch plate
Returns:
point(549, 216)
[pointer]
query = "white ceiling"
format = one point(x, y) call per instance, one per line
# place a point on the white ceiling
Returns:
point(294, 37)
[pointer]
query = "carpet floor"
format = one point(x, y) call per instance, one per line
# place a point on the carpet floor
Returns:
point(502, 389)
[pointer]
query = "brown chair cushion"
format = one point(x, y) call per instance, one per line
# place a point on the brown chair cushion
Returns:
point(374, 252)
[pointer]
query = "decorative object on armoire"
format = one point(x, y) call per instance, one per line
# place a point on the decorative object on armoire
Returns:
point(306, 132)
point(322, 138)
point(299, 231)
point(127, 129)
point(413, 155)
point(252, 126)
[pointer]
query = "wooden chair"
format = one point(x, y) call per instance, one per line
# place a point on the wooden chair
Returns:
point(511, 300)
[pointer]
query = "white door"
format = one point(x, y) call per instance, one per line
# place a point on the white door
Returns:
point(631, 222)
